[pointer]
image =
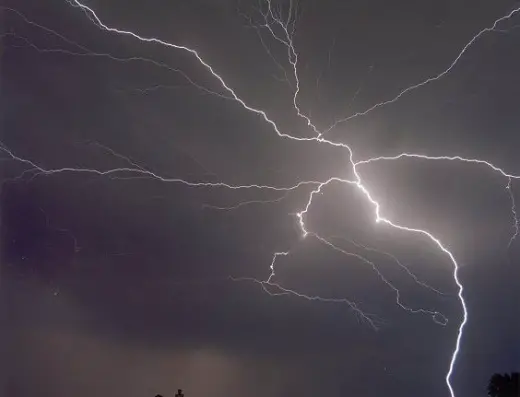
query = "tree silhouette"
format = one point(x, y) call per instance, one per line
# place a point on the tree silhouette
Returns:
point(506, 385)
point(179, 394)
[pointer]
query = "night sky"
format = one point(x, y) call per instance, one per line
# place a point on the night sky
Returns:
point(127, 285)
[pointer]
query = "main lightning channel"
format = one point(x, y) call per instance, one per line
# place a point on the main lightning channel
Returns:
point(514, 213)
point(456, 267)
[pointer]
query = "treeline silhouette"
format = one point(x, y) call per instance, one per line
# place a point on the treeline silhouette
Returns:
point(500, 385)
point(179, 394)
point(504, 385)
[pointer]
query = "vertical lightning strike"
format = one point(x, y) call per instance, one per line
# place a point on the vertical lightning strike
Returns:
point(380, 218)
point(275, 256)
point(287, 27)
point(513, 212)
point(460, 287)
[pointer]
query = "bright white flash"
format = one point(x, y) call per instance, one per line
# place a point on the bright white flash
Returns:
point(281, 29)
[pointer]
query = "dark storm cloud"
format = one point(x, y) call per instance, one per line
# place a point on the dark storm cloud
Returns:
point(145, 305)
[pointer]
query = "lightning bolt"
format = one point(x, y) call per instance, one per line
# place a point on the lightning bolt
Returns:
point(286, 39)
point(431, 79)
point(397, 261)
point(437, 317)
point(513, 212)
point(246, 203)
point(86, 52)
point(510, 177)
point(282, 31)
point(283, 291)
point(120, 156)
point(118, 173)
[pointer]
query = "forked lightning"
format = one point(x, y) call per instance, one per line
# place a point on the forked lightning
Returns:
point(281, 29)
